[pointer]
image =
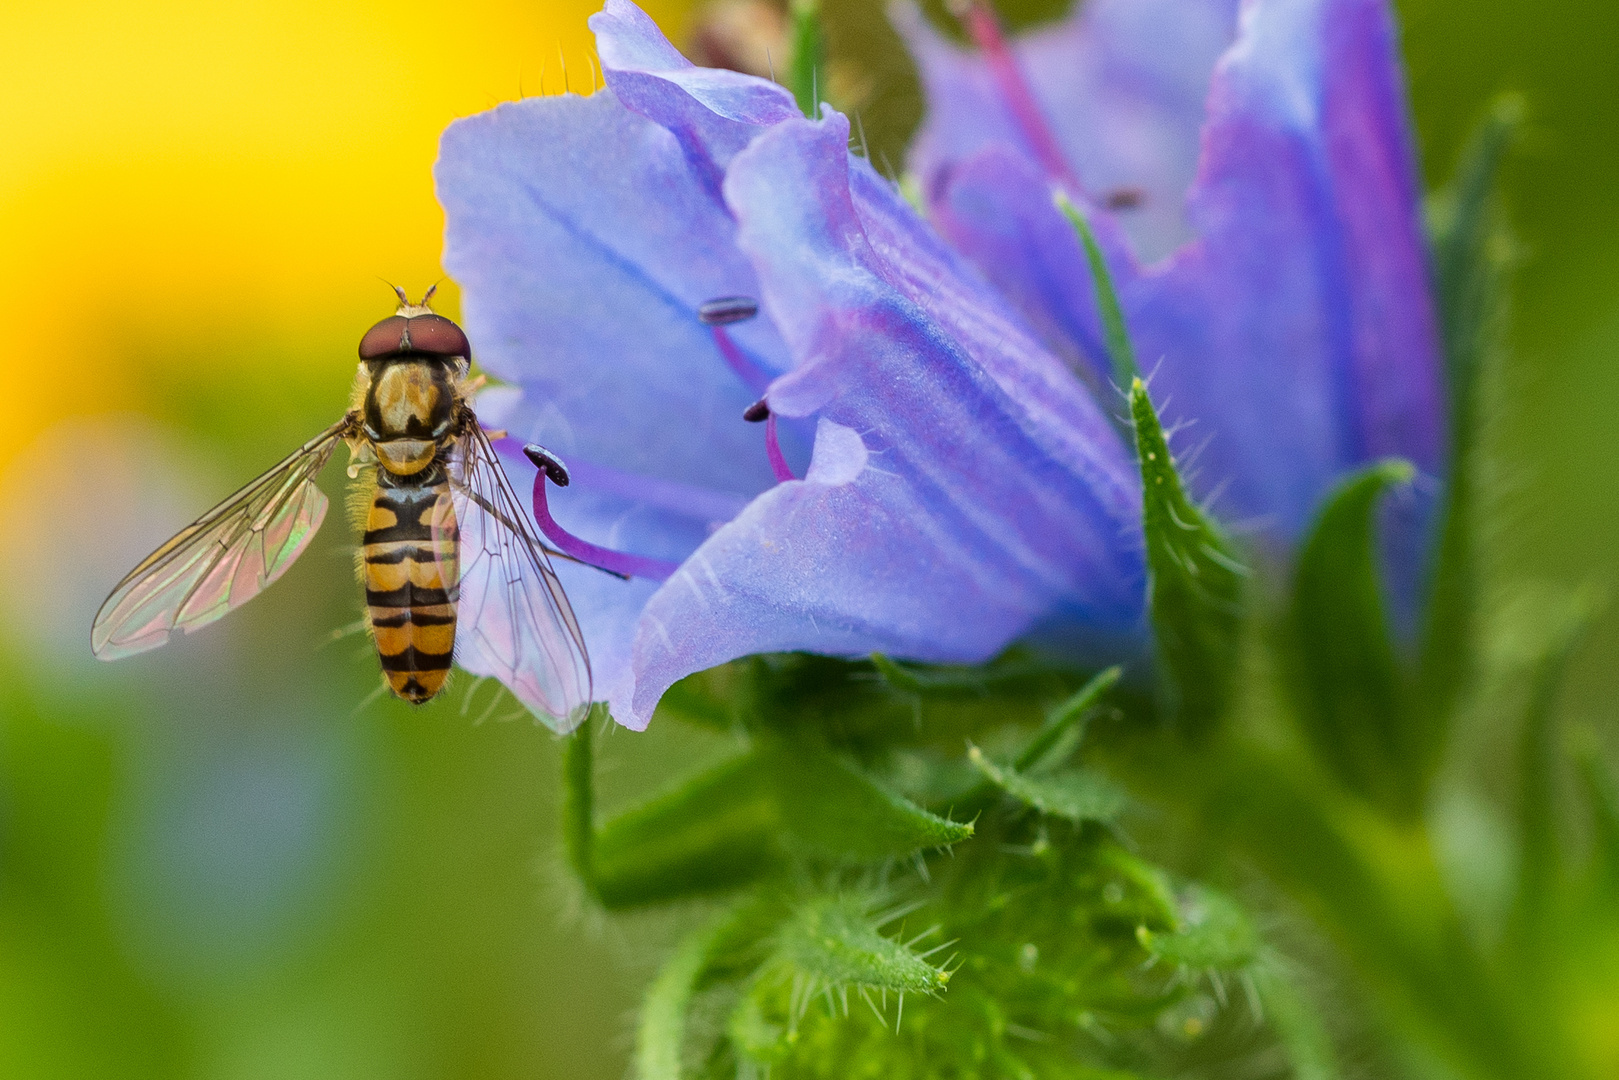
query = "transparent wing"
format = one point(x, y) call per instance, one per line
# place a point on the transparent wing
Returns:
point(513, 620)
point(223, 559)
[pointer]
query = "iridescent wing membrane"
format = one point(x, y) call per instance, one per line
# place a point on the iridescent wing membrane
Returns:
point(223, 559)
point(515, 623)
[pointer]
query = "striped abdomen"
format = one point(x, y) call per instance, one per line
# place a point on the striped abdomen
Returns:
point(411, 551)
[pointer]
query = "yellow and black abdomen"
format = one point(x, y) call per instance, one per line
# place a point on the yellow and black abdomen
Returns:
point(411, 566)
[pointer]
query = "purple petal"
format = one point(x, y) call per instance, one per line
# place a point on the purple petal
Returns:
point(713, 112)
point(585, 240)
point(584, 243)
point(1297, 329)
point(1122, 83)
point(963, 486)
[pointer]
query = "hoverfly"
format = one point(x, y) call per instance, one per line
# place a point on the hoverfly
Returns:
point(451, 564)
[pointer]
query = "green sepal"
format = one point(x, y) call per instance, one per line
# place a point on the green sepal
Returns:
point(660, 1035)
point(711, 832)
point(836, 942)
point(1145, 896)
point(1076, 795)
point(1120, 353)
point(579, 800)
point(1194, 583)
point(1010, 672)
point(728, 825)
point(1473, 255)
point(1346, 682)
point(834, 808)
point(809, 56)
point(1212, 934)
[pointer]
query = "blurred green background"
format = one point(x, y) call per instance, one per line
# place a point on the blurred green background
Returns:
point(221, 859)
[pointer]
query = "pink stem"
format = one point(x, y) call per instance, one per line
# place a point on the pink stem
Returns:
point(778, 463)
point(1026, 112)
point(616, 562)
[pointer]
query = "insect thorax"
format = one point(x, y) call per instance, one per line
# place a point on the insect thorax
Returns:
point(409, 411)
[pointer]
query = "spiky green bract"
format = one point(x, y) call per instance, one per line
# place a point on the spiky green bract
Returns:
point(881, 936)
point(789, 790)
point(1121, 354)
point(1473, 257)
point(1076, 795)
point(706, 834)
point(837, 942)
point(829, 805)
point(1195, 583)
point(1021, 956)
point(1348, 687)
point(1213, 934)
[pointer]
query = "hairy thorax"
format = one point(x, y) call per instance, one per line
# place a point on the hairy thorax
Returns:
point(409, 408)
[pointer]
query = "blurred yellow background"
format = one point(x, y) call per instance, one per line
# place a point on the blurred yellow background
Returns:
point(240, 172)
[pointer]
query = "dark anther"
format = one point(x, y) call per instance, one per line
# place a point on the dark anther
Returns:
point(547, 463)
point(727, 310)
point(756, 412)
point(1125, 198)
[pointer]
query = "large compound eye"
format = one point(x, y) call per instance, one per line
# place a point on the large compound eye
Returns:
point(384, 339)
point(436, 336)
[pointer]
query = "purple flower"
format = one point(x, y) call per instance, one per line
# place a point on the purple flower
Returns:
point(1249, 172)
point(961, 486)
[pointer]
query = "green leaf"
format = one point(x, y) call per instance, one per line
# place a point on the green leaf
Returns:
point(661, 1035)
point(1473, 258)
point(709, 833)
point(1077, 795)
point(1472, 249)
point(1121, 354)
point(836, 942)
point(834, 808)
point(1212, 934)
point(809, 56)
point(1194, 586)
point(1345, 679)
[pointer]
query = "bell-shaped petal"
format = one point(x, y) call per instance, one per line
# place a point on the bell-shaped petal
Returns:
point(585, 239)
point(964, 486)
point(1295, 325)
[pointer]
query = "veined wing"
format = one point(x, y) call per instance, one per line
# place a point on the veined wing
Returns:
point(223, 559)
point(514, 621)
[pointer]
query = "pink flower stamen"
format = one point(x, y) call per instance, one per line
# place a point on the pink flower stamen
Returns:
point(720, 313)
point(614, 562)
point(778, 463)
point(717, 315)
point(760, 410)
point(985, 31)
